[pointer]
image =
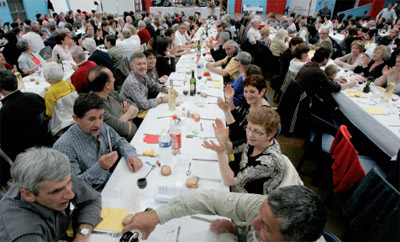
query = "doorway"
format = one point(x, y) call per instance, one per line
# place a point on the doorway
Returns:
point(17, 9)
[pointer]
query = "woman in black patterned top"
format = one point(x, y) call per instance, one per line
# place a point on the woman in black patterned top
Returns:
point(236, 117)
point(261, 166)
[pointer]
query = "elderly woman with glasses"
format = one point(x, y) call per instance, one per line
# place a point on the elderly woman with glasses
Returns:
point(241, 61)
point(28, 61)
point(261, 165)
point(59, 88)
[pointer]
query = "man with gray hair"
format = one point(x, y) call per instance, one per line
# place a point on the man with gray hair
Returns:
point(45, 198)
point(129, 44)
point(97, 56)
point(229, 70)
point(180, 39)
point(137, 85)
point(254, 34)
point(79, 77)
point(217, 49)
point(292, 213)
point(35, 39)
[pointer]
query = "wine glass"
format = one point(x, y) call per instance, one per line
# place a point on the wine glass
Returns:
point(196, 119)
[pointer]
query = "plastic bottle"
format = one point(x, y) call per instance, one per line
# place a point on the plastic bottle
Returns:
point(171, 98)
point(165, 147)
point(176, 133)
point(389, 91)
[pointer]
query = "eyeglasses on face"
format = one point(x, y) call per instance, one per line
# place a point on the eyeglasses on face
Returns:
point(256, 132)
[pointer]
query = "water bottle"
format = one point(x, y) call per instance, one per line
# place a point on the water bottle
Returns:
point(176, 133)
point(165, 147)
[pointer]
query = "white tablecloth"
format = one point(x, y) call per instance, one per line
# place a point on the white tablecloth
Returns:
point(37, 84)
point(375, 127)
point(121, 190)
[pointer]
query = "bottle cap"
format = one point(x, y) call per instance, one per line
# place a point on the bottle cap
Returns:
point(174, 117)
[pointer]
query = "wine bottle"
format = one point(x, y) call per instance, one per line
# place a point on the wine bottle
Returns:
point(192, 85)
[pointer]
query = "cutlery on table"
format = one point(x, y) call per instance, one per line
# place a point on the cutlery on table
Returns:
point(201, 219)
point(111, 234)
point(188, 172)
point(178, 233)
point(199, 159)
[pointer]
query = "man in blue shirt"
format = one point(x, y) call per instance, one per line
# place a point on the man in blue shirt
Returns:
point(92, 146)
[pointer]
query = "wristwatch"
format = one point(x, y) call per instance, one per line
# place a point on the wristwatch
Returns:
point(84, 231)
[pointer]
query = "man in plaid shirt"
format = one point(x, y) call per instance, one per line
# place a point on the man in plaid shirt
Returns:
point(92, 146)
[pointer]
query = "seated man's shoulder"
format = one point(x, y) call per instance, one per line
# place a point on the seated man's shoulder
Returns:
point(18, 217)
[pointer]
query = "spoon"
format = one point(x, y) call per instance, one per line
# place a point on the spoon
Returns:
point(188, 172)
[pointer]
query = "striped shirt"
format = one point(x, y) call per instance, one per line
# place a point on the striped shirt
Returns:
point(84, 151)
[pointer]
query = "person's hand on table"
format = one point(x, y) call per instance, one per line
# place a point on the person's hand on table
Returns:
point(222, 226)
point(134, 164)
point(163, 79)
point(146, 222)
point(221, 132)
point(107, 161)
point(341, 79)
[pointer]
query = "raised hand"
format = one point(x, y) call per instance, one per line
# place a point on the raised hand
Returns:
point(221, 132)
point(219, 148)
point(229, 92)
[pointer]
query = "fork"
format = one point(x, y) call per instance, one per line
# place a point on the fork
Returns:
point(188, 172)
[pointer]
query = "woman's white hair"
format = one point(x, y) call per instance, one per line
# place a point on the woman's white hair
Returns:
point(53, 72)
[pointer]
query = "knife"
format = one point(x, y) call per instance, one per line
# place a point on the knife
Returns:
point(200, 218)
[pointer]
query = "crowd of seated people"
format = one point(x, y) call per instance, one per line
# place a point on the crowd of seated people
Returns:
point(146, 48)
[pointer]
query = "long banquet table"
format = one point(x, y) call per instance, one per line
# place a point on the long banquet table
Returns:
point(121, 191)
point(382, 129)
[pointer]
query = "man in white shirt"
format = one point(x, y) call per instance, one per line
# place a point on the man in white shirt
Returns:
point(254, 35)
point(129, 45)
point(387, 13)
point(291, 26)
point(327, 24)
point(34, 39)
point(180, 39)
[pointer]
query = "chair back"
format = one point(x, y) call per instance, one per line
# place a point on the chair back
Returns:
point(121, 72)
point(346, 168)
point(373, 210)
point(290, 175)
point(294, 110)
point(62, 115)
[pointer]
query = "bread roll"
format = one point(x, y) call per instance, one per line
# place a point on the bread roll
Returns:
point(192, 182)
point(127, 219)
point(165, 170)
point(204, 94)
